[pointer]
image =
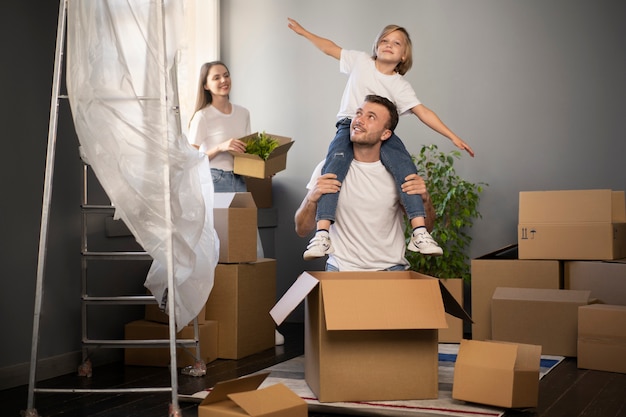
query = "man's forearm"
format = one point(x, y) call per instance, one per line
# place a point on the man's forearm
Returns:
point(305, 217)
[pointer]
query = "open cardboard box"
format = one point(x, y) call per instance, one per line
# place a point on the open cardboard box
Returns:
point(497, 373)
point(241, 397)
point(370, 326)
point(254, 166)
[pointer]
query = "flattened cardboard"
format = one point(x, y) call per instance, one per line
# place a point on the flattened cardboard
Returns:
point(538, 316)
point(235, 220)
point(254, 166)
point(602, 337)
point(606, 280)
point(503, 268)
point(369, 326)
point(497, 373)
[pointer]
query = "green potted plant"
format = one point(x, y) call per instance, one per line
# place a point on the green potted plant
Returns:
point(456, 203)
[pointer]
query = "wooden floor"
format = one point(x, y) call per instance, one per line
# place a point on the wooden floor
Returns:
point(565, 392)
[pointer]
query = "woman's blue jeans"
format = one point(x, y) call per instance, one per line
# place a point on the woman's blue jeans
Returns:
point(393, 155)
point(227, 181)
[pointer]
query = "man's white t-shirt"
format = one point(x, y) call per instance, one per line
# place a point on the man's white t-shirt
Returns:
point(364, 79)
point(209, 127)
point(368, 234)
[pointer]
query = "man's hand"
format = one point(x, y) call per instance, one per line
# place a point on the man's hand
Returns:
point(305, 215)
point(414, 184)
point(326, 184)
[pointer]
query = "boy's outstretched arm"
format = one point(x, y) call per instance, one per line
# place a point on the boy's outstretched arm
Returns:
point(325, 45)
point(430, 119)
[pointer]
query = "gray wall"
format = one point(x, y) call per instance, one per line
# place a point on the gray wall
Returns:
point(536, 87)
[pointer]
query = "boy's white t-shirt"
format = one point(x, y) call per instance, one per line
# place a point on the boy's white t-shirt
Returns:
point(209, 127)
point(368, 234)
point(364, 79)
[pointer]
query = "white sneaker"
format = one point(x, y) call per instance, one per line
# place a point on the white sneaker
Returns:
point(422, 242)
point(318, 247)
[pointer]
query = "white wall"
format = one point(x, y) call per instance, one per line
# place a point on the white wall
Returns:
point(536, 87)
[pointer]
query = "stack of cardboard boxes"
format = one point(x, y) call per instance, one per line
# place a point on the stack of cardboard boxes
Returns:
point(235, 321)
point(545, 290)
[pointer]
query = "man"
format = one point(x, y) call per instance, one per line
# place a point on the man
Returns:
point(369, 230)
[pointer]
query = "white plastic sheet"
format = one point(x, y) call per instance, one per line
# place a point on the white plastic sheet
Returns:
point(120, 72)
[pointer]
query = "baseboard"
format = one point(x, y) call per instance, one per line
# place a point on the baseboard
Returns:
point(67, 363)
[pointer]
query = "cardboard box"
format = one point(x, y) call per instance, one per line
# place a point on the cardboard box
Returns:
point(254, 166)
point(370, 335)
point(605, 280)
point(454, 332)
point(602, 337)
point(261, 190)
point(572, 225)
point(539, 317)
point(241, 397)
point(497, 373)
point(153, 356)
point(502, 268)
point(154, 313)
point(235, 220)
point(240, 302)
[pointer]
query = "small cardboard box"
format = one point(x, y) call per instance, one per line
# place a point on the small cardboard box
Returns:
point(241, 397)
point(370, 335)
point(605, 280)
point(497, 373)
point(602, 337)
point(502, 268)
point(261, 190)
point(153, 356)
point(254, 166)
point(235, 220)
point(561, 225)
point(240, 302)
point(454, 332)
point(539, 317)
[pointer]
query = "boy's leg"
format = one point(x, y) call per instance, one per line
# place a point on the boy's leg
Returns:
point(338, 160)
point(399, 163)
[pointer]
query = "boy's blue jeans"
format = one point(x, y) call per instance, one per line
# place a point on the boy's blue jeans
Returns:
point(393, 155)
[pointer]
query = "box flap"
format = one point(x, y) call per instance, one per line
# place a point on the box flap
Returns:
point(452, 306)
point(221, 390)
point(570, 206)
point(372, 304)
point(234, 200)
point(293, 297)
point(267, 401)
point(480, 353)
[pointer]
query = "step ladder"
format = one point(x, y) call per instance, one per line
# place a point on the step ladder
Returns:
point(88, 256)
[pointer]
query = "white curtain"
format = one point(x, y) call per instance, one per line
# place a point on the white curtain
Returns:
point(121, 81)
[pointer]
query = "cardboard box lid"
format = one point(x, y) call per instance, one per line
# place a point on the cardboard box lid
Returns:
point(365, 300)
point(580, 297)
point(221, 390)
point(284, 144)
point(268, 400)
point(234, 200)
point(567, 206)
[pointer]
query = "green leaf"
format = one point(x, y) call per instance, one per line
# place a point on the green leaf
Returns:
point(262, 145)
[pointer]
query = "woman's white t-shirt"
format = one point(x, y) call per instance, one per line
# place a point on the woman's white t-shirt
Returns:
point(209, 127)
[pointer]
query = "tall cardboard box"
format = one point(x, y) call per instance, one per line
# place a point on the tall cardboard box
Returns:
point(605, 279)
point(497, 373)
point(240, 302)
point(572, 225)
point(254, 166)
point(261, 190)
point(235, 219)
point(242, 397)
point(153, 356)
point(602, 337)
point(370, 335)
point(503, 268)
point(454, 332)
point(538, 316)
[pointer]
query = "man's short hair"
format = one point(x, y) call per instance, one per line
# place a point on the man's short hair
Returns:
point(393, 110)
